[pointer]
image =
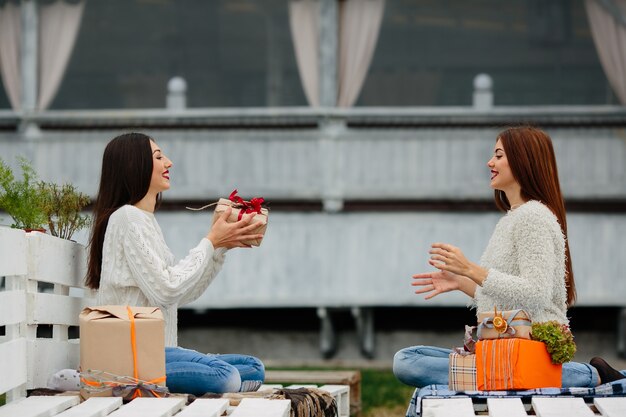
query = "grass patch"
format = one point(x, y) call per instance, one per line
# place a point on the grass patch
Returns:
point(382, 394)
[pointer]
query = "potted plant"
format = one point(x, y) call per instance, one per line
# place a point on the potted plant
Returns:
point(62, 208)
point(21, 199)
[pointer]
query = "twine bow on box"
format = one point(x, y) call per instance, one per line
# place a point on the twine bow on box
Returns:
point(504, 325)
point(245, 207)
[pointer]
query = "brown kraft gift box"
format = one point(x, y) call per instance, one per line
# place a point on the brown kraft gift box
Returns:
point(105, 344)
point(260, 218)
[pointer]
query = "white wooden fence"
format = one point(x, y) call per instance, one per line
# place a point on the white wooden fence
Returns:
point(42, 287)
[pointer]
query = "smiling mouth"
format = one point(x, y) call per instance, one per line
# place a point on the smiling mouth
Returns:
point(166, 174)
point(494, 174)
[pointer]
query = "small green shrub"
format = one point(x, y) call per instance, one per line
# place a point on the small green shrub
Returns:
point(62, 207)
point(558, 338)
point(21, 199)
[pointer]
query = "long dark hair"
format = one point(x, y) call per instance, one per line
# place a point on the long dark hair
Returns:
point(531, 157)
point(125, 179)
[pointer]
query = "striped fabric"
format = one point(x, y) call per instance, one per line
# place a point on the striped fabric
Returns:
point(616, 389)
point(462, 372)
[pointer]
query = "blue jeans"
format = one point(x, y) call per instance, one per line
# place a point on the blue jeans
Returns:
point(420, 366)
point(191, 372)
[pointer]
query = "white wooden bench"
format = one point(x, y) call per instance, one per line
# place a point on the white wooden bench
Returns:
point(513, 407)
point(41, 281)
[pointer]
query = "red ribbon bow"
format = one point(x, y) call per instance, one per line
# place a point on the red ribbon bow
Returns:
point(246, 207)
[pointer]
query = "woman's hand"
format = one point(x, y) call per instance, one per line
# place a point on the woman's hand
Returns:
point(450, 258)
point(435, 283)
point(232, 235)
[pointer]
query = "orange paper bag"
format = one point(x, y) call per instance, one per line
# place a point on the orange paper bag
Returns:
point(514, 364)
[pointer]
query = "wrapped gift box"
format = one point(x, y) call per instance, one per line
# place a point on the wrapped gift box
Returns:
point(512, 323)
point(241, 207)
point(504, 364)
point(120, 346)
point(462, 372)
point(507, 364)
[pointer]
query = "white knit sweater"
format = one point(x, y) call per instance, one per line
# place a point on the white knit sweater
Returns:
point(526, 262)
point(138, 268)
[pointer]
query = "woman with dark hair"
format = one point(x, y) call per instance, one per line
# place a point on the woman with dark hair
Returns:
point(130, 264)
point(526, 264)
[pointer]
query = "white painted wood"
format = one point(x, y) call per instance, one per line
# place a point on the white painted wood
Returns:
point(447, 407)
point(506, 407)
point(261, 407)
point(93, 407)
point(270, 386)
point(560, 407)
point(55, 260)
point(55, 309)
point(12, 307)
point(47, 356)
point(611, 406)
point(205, 407)
point(296, 386)
point(39, 406)
point(12, 364)
point(342, 397)
point(12, 251)
point(150, 407)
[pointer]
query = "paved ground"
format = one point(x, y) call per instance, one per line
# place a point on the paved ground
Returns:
point(289, 348)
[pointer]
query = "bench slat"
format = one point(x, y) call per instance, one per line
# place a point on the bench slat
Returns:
point(205, 407)
point(56, 309)
point(12, 252)
point(447, 407)
point(13, 364)
point(12, 307)
point(506, 407)
point(341, 393)
point(94, 407)
point(260, 407)
point(150, 407)
point(611, 407)
point(38, 406)
point(54, 260)
point(559, 407)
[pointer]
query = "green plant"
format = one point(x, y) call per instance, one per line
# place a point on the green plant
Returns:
point(62, 207)
point(558, 339)
point(21, 198)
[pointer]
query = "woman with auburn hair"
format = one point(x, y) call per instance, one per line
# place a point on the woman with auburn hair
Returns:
point(526, 264)
point(130, 264)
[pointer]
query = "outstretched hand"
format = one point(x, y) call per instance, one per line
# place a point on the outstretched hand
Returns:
point(232, 235)
point(446, 257)
point(435, 283)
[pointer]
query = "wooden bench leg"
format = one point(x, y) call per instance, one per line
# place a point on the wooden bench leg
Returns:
point(621, 333)
point(364, 317)
point(328, 337)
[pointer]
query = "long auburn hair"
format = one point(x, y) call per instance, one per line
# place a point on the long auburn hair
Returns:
point(125, 179)
point(531, 157)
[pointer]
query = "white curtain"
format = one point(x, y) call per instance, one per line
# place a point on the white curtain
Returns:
point(304, 24)
point(358, 29)
point(58, 26)
point(359, 26)
point(59, 22)
point(10, 39)
point(608, 28)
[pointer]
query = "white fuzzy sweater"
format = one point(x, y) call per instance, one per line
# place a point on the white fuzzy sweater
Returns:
point(526, 262)
point(138, 268)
